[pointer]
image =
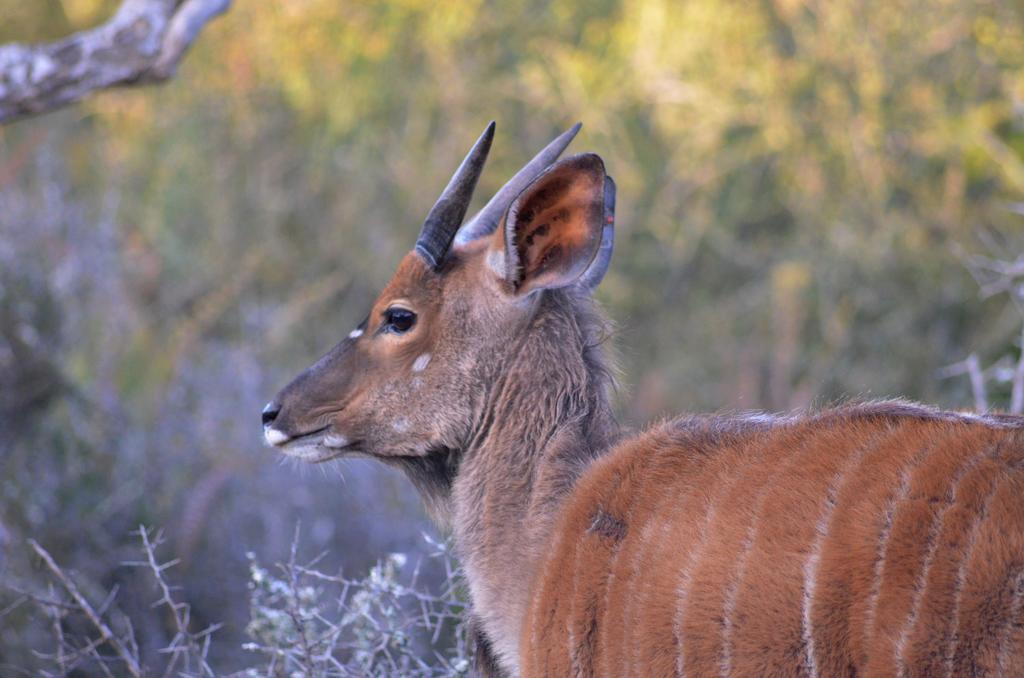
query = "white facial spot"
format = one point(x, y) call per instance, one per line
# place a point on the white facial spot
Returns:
point(401, 426)
point(335, 440)
point(355, 334)
point(421, 363)
point(496, 261)
point(274, 437)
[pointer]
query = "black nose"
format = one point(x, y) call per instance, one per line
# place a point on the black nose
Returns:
point(270, 413)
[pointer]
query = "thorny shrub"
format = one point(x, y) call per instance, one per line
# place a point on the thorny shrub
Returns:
point(303, 622)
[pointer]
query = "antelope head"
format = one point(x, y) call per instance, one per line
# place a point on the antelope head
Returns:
point(410, 385)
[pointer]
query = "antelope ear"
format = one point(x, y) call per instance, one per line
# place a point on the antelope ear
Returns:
point(552, 230)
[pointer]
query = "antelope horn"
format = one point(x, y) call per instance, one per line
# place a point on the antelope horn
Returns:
point(445, 217)
point(487, 219)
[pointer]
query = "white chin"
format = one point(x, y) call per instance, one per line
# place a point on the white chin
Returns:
point(306, 452)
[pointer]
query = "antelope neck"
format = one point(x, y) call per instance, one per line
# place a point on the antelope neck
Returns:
point(544, 421)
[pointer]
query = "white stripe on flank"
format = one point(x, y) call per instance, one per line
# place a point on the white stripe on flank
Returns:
point(883, 543)
point(638, 575)
point(609, 583)
point(821, 531)
point(821, 528)
point(570, 637)
point(725, 666)
point(729, 606)
point(880, 553)
point(1011, 622)
point(961, 576)
point(686, 580)
point(922, 580)
point(665, 538)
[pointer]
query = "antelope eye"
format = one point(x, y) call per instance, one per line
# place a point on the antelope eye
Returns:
point(398, 320)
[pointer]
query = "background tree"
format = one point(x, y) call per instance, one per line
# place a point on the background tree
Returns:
point(142, 43)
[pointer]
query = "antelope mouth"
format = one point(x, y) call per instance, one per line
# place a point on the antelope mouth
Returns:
point(314, 446)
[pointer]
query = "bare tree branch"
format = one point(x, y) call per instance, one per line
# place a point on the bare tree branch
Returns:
point(143, 42)
point(971, 366)
point(977, 383)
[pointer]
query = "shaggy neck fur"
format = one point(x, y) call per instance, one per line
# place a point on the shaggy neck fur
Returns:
point(544, 419)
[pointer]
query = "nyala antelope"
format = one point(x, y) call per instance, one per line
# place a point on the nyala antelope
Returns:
point(880, 538)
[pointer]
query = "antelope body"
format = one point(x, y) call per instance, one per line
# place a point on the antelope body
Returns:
point(878, 538)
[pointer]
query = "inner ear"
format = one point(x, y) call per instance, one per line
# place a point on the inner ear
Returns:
point(552, 230)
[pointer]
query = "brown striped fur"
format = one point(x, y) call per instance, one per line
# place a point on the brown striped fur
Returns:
point(874, 539)
point(877, 538)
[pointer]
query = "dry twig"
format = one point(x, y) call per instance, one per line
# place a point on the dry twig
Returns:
point(106, 635)
point(185, 645)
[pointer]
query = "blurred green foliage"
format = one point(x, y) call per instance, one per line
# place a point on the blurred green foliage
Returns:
point(794, 180)
point(790, 172)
